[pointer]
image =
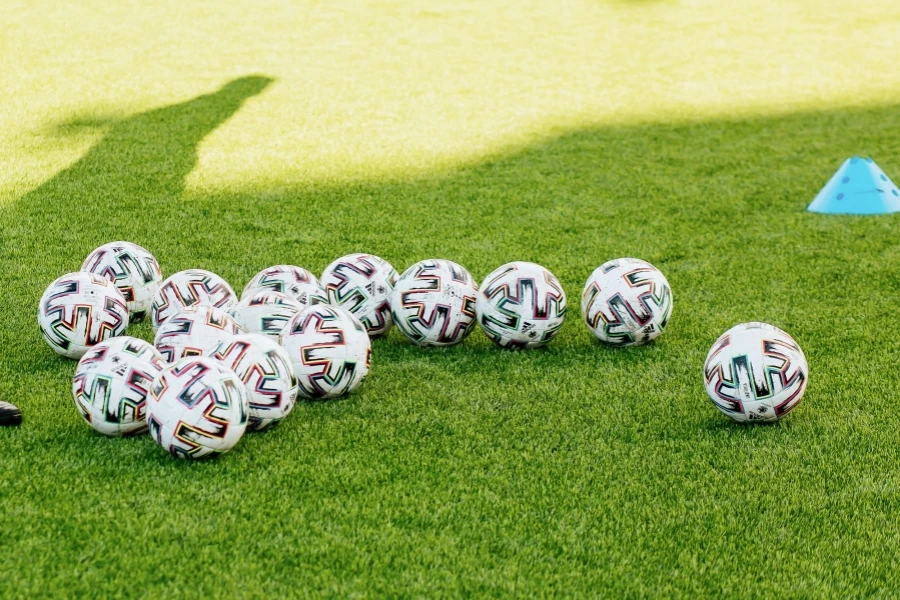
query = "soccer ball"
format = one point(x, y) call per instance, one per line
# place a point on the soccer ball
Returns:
point(626, 302)
point(267, 373)
point(194, 287)
point(80, 310)
point(197, 408)
point(112, 382)
point(134, 271)
point(433, 303)
point(193, 332)
point(755, 372)
point(521, 305)
point(362, 285)
point(265, 312)
point(329, 349)
point(298, 283)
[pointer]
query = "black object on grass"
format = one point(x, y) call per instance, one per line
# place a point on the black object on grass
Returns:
point(10, 414)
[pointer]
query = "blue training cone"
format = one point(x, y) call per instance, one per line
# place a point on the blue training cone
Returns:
point(859, 187)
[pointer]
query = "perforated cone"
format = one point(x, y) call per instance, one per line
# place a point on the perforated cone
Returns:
point(859, 187)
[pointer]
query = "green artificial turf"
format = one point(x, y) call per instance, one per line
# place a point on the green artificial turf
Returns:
point(234, 136)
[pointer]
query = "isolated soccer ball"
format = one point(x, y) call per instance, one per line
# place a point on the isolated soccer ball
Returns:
point(112, 382)
point(193, 332)
point(80, 310)
point(197, 408)
point(265, 312)
point(329, 350)
point(194, 287)
point(755, 372)
point(296, 282)
point(134, 271)
point(362, 284)
point(433, 303)
point(521, 305)
point(267, 373)
point(626, 302)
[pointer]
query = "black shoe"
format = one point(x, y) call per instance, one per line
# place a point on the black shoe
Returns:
point(10, 414)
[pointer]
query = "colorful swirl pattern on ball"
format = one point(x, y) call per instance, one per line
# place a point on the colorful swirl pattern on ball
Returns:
point(433, 303)
point(627, 302)
point(111, 384)
point(329, 349)
point(755, 372)
point(362, 284)
point(265, 369)
point(134, 271)
point(78, 311)
point(197, 409)
point(194, 287)
point(194, 331)
point(521, 305)
point(266, 312)
point(296, 282)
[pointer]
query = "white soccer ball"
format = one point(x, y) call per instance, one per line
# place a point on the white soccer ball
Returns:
point(626, 302)
point(755, 372)
point(296, 282)
point(521, 305)
point(433, 303)
point(197, 408)
point(265, 312)
point(362, 284)
point(267, 373)
point(134, 271)
point(194, 332)
point(329, 350)
point(194, 287)
point(80, 310)
point(112, 382)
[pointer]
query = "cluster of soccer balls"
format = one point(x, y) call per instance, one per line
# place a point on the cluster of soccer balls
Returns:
point(220, 365)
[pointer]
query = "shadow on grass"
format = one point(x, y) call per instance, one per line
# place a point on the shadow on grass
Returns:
point(583, 460)
point(141, 162)
point(718, 205)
